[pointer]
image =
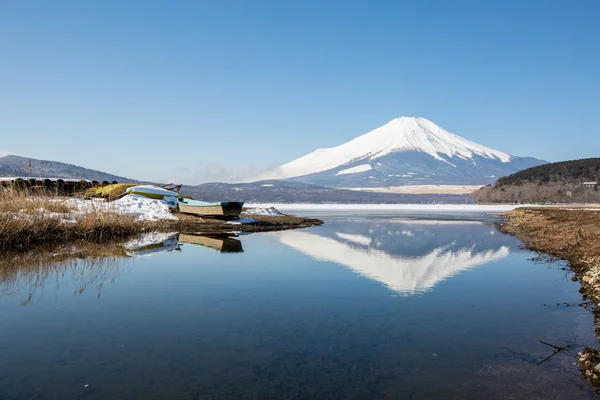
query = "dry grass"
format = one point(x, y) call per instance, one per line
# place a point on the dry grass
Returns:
point(13, 201)
point(23, 224)
point(568, 234)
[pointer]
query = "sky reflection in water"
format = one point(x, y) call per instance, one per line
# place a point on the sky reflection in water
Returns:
point(357, 308)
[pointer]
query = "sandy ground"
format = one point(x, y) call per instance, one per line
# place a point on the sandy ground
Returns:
point(422, 189)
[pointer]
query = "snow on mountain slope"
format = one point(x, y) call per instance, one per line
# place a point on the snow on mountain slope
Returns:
point(403, 148)
point(400, 134)
point(355, 170)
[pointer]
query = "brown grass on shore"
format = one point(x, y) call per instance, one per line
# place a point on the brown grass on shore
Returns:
point(568, 234)
point(26, 221)
point(572, 235)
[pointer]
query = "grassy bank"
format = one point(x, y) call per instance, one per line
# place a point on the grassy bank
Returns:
point(26, 221)
point(572, 235)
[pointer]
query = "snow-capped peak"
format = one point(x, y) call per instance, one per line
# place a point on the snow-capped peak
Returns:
point(401, 134)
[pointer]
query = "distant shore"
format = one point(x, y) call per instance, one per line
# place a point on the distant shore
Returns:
point(569, 233)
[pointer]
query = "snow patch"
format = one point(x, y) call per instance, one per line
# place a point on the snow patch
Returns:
point(262, 211)
point(242, 221)
point(355, 170)
point(140, 207)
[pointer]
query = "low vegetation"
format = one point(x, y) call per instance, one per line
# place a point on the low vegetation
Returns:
point(26, 221)
point(572, 235)
point(560, 182)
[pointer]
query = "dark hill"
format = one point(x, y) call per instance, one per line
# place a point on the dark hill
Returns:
point(576, 171)
point(30, 167)
point(560, 182)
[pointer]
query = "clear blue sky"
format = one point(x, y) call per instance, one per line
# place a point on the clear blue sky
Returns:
point(199, 90)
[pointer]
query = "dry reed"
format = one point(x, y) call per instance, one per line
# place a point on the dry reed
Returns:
point(27, 220)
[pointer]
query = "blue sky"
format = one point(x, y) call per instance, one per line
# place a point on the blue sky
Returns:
point(200, 90)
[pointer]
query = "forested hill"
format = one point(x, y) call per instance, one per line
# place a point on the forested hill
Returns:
point(576, 171)
point(560, 182)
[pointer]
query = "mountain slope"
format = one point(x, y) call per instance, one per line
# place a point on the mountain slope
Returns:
point(19, 166)
point(404, 151)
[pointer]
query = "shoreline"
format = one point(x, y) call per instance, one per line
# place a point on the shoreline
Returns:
point(104, 228)
point(568, 233)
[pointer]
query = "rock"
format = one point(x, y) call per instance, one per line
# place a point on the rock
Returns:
point(574, 278)
point(597, 367)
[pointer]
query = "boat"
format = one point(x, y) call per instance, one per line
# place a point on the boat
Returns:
point(156, 193)
point(224, 208)
point(112, 191)
point(151, 191)
point(221, 242)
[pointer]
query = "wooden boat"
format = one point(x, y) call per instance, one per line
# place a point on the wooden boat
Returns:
point(222, 243)
point(151, 191)
point(225, 208)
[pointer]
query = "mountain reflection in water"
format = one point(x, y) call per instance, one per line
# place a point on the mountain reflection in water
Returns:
point(408, 257)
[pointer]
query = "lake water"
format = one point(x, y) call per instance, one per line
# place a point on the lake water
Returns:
point(383, 306)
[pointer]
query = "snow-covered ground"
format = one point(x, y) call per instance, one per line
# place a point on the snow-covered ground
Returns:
point(473, 208)
point(140, 207)
point(262, 211)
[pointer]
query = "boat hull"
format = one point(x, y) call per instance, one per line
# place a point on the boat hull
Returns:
point(221, 243)
point(229, 209)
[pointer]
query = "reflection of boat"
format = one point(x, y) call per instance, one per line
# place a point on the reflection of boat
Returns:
point(152, 243)
point(226, 208)
point(224, 243)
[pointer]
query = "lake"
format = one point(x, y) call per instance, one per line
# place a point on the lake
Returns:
point(367, 306)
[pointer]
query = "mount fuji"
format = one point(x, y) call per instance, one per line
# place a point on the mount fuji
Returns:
point(405, 151)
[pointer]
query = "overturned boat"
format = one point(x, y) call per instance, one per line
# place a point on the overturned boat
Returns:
point(224, 208)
